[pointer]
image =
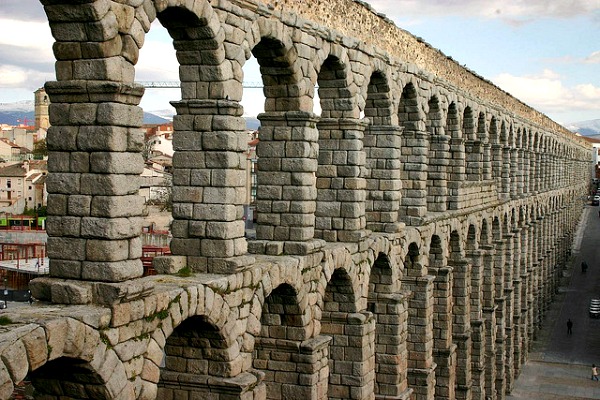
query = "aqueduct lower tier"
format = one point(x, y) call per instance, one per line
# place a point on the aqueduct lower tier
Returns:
point(409, 238)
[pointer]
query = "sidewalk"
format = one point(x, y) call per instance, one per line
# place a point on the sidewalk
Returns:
point(559, 365)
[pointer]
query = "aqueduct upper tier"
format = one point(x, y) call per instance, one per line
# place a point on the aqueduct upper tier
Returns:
point(409, 237)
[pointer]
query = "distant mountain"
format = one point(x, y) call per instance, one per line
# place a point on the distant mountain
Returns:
point(252, 123)
point(151, 119)
point(22, 112)
point(586, 128)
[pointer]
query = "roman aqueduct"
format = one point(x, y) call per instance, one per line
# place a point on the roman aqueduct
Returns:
point(409, 238)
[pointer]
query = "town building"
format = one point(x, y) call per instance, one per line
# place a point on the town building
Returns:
point(23, 186)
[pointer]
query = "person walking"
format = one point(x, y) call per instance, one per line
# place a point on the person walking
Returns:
point(594, 372)
point(569, 327)
point(584, 266)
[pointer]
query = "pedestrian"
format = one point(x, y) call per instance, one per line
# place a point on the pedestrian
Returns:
point(584, 266)
point(569, 327)
point(594, 372)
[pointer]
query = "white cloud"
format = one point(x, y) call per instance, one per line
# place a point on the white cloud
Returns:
point(32, 35)
point(512, 11)
point(593, 58)
point(546, 92)
point(12, 76)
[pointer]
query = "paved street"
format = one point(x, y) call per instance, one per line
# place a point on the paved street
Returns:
point(560, 365)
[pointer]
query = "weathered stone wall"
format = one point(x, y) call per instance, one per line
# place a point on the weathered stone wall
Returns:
point(409, 238)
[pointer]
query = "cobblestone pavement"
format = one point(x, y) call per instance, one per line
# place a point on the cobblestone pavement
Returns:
point(559, 367)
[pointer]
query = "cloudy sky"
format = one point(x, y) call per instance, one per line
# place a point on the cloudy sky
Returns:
point(545, 52)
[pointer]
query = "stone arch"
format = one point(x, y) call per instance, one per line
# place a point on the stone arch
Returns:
point(283, 331)
point(389, 308)
point(340, 211)
point(457, 166)
point(414, 147)
point(336, 90)
point(198, 39)
point(211, 85)
point(197, 352)
point(382, 143)
point(278, 71)
point(473, 154)
point(496, 153)
point(287, 151)
point(483, 136)
point(444, 350)
point(379, 102)
point(438, 157)
point(421, 368)
point(341, 321)
point(65, 358)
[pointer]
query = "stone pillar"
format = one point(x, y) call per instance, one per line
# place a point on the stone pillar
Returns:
point(457, 171)
point(500, 313)
point(340, 213)
point(287, 193)
point(529, 170)
point(384, 183)
point(94, 210)
point(514, 173)
point(294, 369)
point(437, 174)
point(489, 316)
point(209, 184)
point(478, 333)
point(487, 160)
point(525, 287)
point(461, 327)
point(537, 178)
point(391, 355)
point(474, 160)
point(244, 386)
point(521, 182)
point(444, 350)
point(516, 300)
point(352, 355)
point(421, 367)
point(497, 167)
point(507, 184)
point(509, 314)
point(414, 177)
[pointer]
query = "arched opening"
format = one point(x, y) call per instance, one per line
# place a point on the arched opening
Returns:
point(411, 119)
point(341, 321)
point(473, 159)
point(199, 361)
point(69, 378)
point(461, 321)
point(456, 164)
point(389, 307)
point(287, 155)
point(382, 143)
point(340, 211)
point(444, 350)
point(278, 347)
point(438, 158)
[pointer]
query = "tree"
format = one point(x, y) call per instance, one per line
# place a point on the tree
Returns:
point(40, 150)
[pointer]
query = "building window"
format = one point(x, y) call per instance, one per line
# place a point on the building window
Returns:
point(8, 184)
point(29, 187)
point(29, 198)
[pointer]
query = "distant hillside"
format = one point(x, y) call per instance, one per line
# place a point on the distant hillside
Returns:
point(22, 113)
point(586, 128)
point(17, 117)
point(150, 118)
